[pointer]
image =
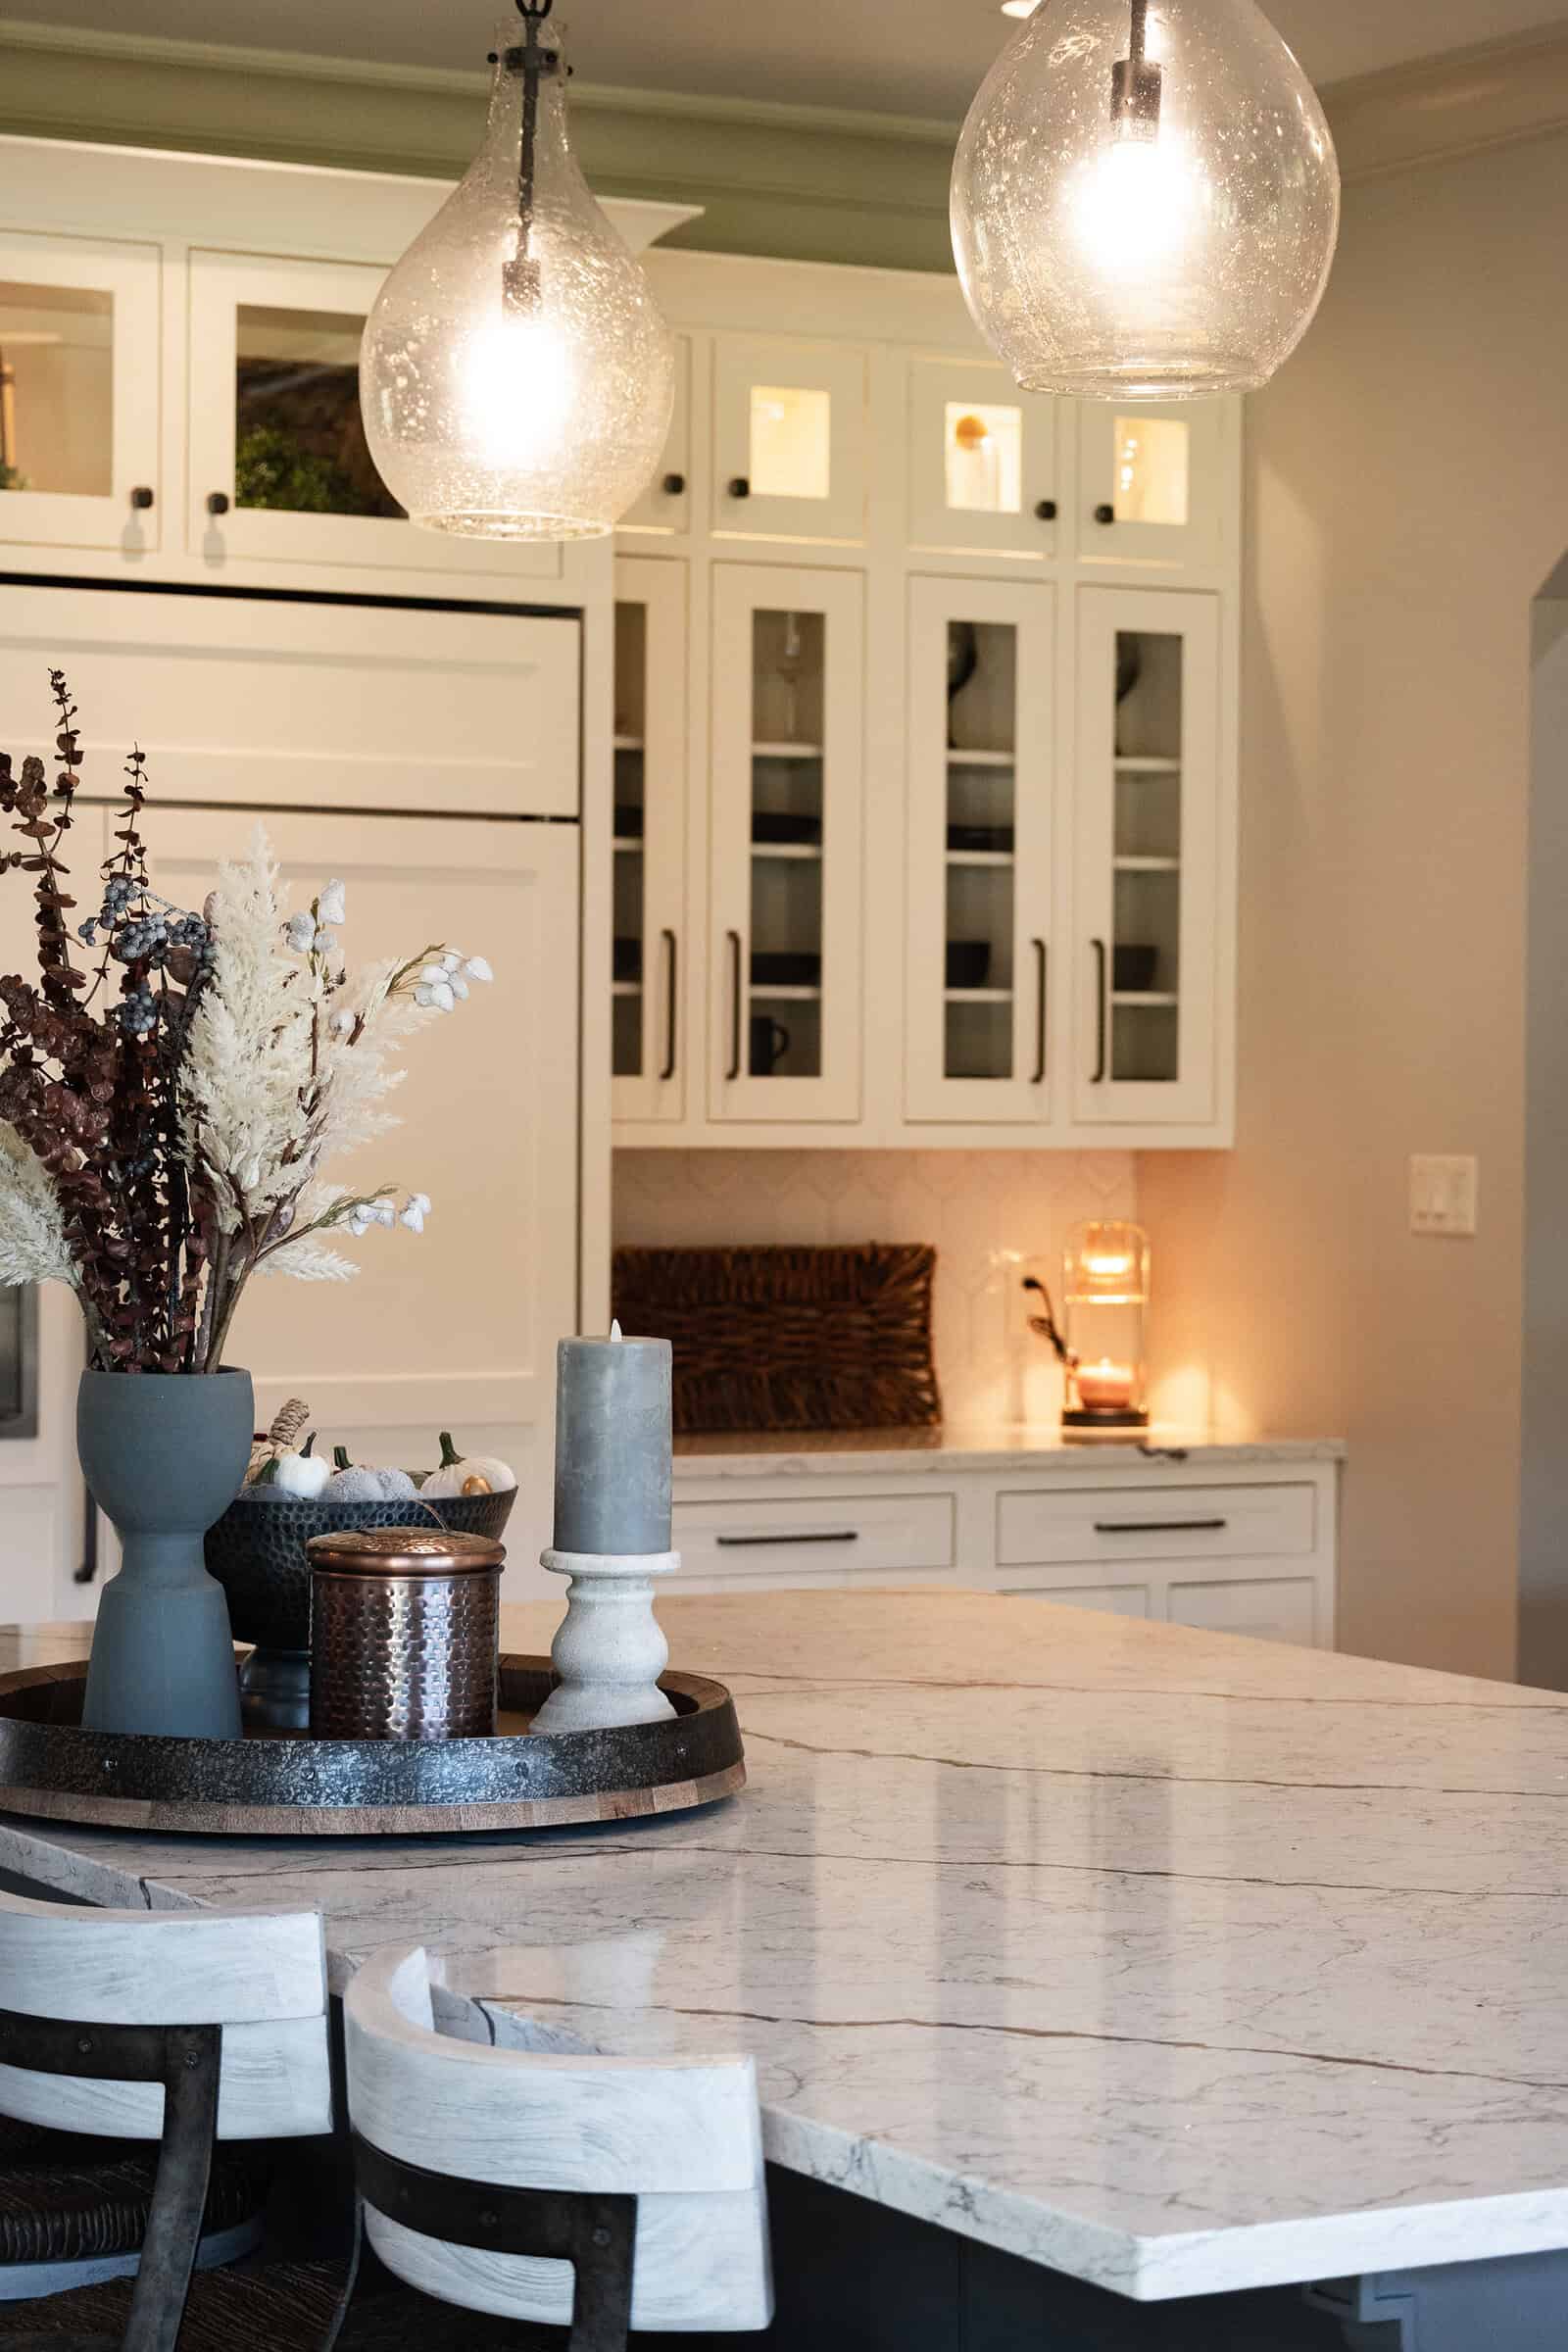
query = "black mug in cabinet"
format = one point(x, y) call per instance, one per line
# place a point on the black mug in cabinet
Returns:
point(770, 1042)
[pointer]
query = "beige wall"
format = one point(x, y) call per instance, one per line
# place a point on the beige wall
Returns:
point(992, 1215)
point(1407, 494)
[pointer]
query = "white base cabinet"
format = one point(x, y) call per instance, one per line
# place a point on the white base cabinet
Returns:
point(1244, 1546)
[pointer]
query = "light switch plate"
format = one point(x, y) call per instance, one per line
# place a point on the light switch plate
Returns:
point(1443, 1194)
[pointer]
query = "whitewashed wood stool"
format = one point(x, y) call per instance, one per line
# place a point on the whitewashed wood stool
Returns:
point(592, 2193)
point(182, 2027)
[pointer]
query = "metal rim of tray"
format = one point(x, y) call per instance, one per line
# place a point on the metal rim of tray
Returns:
point(296, 1787)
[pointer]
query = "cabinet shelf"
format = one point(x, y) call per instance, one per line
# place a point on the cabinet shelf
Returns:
point(1142, 767)
point(1147, 996)
point(1147, 866)
point(958, 758)
point(977, 995)
point(786, 751)
point(628, 743)
point(625, 987)
point(785, 991)
point(980, 858)
point(807, 853)
point(630, 842)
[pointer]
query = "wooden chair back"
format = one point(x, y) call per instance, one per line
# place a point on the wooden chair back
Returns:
point(681, 2140)
point(261, 1977)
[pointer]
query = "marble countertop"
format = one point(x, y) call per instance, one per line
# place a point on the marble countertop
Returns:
point(1175, 1962)
point(984, 1446)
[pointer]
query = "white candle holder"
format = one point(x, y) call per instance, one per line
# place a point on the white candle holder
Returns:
point(609, 1650)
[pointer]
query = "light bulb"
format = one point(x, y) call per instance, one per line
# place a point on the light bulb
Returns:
point(1146, 200)
point(515, 376)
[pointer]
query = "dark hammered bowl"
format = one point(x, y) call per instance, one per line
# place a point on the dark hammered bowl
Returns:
point(257, 1552)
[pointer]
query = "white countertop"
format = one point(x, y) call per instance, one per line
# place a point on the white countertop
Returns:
point(990, 1445)
point(1174, 1962)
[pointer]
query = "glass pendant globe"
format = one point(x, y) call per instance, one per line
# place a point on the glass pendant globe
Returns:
point(1146, 200)
point(518, 385)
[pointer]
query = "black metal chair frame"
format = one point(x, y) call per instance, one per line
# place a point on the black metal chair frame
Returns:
point(596, 2234)
point(187, 2060)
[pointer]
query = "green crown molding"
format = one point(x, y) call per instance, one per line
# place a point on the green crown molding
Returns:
point(799, 182)
point(802, 183)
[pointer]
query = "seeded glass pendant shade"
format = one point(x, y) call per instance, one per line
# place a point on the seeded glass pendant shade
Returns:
point(515, 376)
point(1146, 200)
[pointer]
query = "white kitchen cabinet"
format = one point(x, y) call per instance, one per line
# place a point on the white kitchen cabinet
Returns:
point(279, 464)
point(650, 1032)
point(786, 824)
point(982, 910)
point(789, 448)
point(1152, 482)
point(984, 473)
point(1148, 818)
point(79, 393)
point(455, 1328)
point(1265, 1608)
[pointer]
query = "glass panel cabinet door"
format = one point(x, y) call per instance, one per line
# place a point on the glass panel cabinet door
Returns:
point(1146, 818)
point(649, 857)
point(977, 960)
point(80, 368)
point(982, 461)
point(1152, 480)
point(279, 463)
point(787, 799)
point(789, 439)
point(665, 507)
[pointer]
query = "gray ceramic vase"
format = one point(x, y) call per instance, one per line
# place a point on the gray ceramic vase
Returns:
point(164, 1454)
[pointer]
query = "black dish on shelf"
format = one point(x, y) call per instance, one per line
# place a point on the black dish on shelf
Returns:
point(786, 968)
point(628, 820)
point(781, 824)
point(1133, 969)
point(626, 960)
point(981, 837)
point(968, 963)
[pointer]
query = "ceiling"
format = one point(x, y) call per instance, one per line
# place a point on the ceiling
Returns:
point(910, 57)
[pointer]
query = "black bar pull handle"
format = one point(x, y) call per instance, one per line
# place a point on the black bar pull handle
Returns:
point(1160, 1527)
point(807, 1535)
point(1102, 1011)
point(1038, 1077)
point(734, 1070)
point(670, 954)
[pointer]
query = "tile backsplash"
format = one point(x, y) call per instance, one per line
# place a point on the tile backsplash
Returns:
point(992, 1217)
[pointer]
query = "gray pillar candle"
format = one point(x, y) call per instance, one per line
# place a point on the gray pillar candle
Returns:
point(612, 1445)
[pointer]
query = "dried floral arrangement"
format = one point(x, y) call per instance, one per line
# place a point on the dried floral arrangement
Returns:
point(167, 1114)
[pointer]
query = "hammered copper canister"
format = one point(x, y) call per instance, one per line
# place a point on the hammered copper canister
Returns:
point(404, 1628)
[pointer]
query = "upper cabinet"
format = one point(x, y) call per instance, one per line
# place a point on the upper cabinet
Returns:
point(648, 856)
point(1152, 482)
point(789, 439)
point(80, 365)
point(983, 470)
point(279, 464)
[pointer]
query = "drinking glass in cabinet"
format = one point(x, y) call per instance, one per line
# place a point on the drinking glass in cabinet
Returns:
point(981, 842)
point(629, 951)
point(783, 1033)
point(299, 439)
point(1143, 981)
point(57, 389)
point(983, 454)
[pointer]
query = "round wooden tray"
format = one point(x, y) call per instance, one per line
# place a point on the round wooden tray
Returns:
point(283, 1785)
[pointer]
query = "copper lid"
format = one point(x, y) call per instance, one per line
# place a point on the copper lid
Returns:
point(404, 1551)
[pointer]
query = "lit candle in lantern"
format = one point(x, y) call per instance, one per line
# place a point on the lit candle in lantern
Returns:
point(1104, 1387)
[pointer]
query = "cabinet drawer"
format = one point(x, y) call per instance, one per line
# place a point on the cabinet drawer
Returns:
point(1269, 1608)
point(864, 1536)
point(1113, 1600)
point(1154, 1523)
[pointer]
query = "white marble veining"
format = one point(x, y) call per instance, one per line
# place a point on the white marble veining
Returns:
point(990, 1445)
point(1174, 1962)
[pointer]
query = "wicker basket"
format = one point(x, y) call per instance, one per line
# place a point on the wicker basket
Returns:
point(789, 1339)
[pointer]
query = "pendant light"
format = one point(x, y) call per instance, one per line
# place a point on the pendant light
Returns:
point(1144, 200)
point(515, 377)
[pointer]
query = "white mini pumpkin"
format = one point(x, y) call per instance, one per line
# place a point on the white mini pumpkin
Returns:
point(467, 1474)
point(299, 1476)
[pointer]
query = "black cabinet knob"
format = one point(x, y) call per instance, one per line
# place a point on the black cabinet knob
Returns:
point(217, 501)
point(740, 488)
point(1046, 511)
point(141, 498)
point(1105, 514)
point(674, 485)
